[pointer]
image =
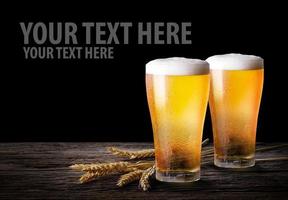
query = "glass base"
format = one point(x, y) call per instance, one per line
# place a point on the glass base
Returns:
point(178, 176)
point(232, 162)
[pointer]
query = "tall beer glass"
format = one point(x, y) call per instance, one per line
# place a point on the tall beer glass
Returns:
point(178, 92)
point(236, 89)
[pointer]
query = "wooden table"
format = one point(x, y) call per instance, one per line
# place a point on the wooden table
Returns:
point(40, 171)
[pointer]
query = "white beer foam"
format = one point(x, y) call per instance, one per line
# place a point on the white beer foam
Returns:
point(177, 66)
point(235, 61)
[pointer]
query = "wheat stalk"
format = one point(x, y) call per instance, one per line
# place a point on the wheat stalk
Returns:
point(146, 153)
point(77, 166)
point(143, 170)
point(112, 167)
point(205, 142)
point(129, 177)
point(272, 159)
point(144, 183)
point(91, 176)
point(107, 167)
point(271, 147)
point(141, 165)
point(100, 167)
point(97, 170)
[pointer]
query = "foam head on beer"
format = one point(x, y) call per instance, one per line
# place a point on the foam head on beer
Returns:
point(234, 61)
point(177, 66)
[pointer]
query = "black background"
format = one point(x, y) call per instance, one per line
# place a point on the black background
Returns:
point(105, 100)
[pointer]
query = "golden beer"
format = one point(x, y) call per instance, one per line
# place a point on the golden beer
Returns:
point(236, 89)
point(177, 91)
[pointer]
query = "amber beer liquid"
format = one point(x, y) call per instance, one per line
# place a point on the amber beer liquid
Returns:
point(177, 91)
point(236, 89)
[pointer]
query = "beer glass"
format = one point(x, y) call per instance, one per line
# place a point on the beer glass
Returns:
point(177, 92)
point(236, 89)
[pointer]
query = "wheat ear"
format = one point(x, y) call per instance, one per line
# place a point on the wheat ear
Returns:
point(107, 167)
point(91, 176)
point(77, 166)
point(146, 153)
point(129, 177)
point(144, 183)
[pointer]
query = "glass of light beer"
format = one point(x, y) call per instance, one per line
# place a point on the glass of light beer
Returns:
point(235, 95)
point(177, 92)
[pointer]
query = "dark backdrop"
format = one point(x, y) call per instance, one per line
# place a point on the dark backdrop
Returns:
point(105, 100)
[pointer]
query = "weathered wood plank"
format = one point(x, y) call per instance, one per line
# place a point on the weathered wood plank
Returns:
point(40, 171)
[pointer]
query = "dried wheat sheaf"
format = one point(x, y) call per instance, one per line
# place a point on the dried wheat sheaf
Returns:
point(142, 170)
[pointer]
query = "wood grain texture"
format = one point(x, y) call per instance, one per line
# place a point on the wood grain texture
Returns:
point(40, 171)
